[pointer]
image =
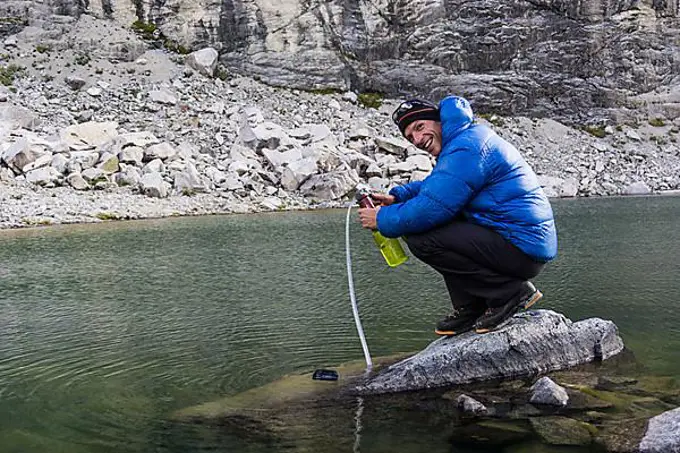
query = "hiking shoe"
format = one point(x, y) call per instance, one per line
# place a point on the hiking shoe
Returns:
point(529, 295)
point(495, 317)
point(461, 320)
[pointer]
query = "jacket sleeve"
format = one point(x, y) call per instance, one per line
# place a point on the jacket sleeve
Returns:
point(456, 178)
point(406, 192)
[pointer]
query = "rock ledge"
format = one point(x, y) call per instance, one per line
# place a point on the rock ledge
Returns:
point(535, 342)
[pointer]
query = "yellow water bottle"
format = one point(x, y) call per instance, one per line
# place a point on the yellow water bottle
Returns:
point(391, 249)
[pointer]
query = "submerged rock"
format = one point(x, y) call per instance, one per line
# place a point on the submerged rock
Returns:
point(562, 430)
point(534, 342)
point(470, 405)
point(490, 433)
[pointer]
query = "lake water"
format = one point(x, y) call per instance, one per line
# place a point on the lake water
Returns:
point(107, 329)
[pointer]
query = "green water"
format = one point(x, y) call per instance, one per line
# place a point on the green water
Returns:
point(105, 330)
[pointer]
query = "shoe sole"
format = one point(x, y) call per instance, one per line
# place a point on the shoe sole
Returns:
point(451, 333)
point(534, 298)
point(528, 304)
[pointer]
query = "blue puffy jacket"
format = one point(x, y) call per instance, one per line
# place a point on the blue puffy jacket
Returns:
point(484, 177)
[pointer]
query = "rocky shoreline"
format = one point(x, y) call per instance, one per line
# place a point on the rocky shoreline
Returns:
point(138, 133)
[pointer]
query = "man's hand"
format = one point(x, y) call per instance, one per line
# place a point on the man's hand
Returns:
point(368, 217)
point(383, 199)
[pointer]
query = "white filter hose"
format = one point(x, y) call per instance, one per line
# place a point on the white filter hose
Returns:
point(352, 297)
point(357, 425)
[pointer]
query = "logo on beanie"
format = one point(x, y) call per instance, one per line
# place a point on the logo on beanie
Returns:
point(403, 108)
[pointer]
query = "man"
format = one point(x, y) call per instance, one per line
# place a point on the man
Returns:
point(480, 218)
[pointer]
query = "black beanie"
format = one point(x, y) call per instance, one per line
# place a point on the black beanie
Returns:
point(413, 110)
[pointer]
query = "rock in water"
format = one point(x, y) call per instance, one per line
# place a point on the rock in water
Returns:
point(534, 342)
point(663, 434)
point(545, 391)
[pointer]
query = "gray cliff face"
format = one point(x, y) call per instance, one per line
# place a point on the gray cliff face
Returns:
point(562, 58)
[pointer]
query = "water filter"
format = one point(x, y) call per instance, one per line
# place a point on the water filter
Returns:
point(390, 249)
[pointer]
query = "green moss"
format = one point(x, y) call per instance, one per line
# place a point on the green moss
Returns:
point(657, 122)
point(370, 100)
point(145, 29)
point(99, 179)
point(187, 192)
point(8, 74)
point(42, 48)
point(149, 31)
point(36, 222)
point(493, 119)
point(619, 128)
point(13, 21)
point(597, 131)
point(174, 46)
point(107, 216)
point(222, 73)
point(618, 399)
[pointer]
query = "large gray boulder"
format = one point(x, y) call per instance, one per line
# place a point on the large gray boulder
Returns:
point(85, 136)
point(663, 434)
point(330, 186)
point(535, 342)
point(203, 61)
point(19, 154)
point(189, 180)
point(15, 117)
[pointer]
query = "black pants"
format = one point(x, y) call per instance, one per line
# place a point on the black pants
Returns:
point(479, 266)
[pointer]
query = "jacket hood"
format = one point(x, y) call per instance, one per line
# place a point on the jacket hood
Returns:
point(456, 116)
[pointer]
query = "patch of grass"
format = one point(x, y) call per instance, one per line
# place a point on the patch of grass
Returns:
point(222, 73)
point(370, 100)
point(149, 31)
point(597, 131)
point(42, 48)
point(9, 73)
point(13, 21)
point(187, 192)
point(173, 46)
point(657, 122)
point(145, 29)
point(107, 216)
point(36, 222)
point(493, 119)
